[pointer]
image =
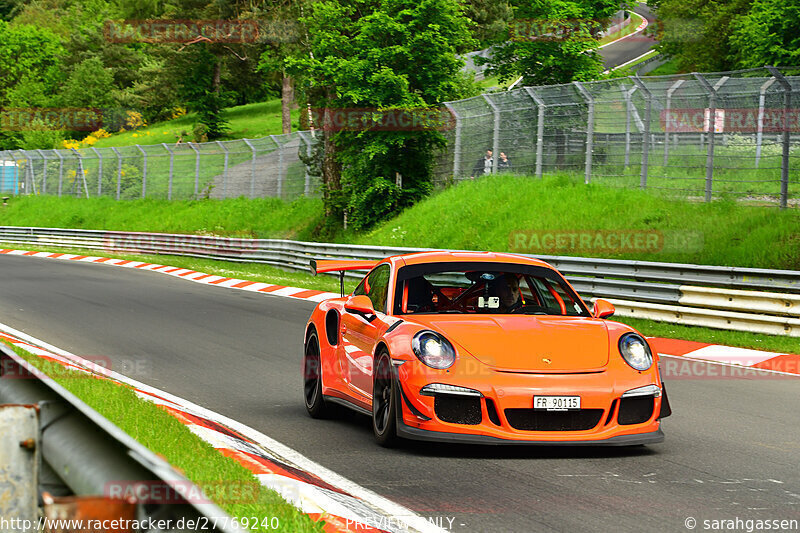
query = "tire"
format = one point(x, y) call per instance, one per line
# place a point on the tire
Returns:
point(312, 379)
point(384, 398)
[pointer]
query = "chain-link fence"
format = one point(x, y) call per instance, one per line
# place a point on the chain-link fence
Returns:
point(273, 166)
point(700, 136)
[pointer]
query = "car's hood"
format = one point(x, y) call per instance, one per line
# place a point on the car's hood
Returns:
point(526, 343)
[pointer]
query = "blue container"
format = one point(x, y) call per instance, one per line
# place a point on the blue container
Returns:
point(8, 177)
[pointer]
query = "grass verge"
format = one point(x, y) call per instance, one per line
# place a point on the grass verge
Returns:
point(722, 232)
point(236, 217)
point(163, 434)
point(269, 274)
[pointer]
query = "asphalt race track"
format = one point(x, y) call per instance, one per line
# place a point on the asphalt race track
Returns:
point(632, 47)
point(731, 451)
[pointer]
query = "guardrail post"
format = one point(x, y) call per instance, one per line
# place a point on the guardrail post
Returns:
point(196, 169)
point(144, 171)
point(762, 94)
point(252, 169)
point(787, 108)
point(171, 167)
point(60, 171)
point(540, 109)
point(99, 171)
point(279, 191)
point(119, 171)
point(44, 171)
point(675, 86)
point(589, 129)
point(648, 97)
point(224, 171)
point(457, 141)
point(712, 126)
point(495, 133)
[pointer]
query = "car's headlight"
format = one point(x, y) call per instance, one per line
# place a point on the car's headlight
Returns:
point(635, 351)
point(433, 349)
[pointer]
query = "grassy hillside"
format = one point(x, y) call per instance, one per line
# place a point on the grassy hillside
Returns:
point(485, 214)
point(249, 121)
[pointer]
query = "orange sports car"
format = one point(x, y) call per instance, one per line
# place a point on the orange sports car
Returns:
point(479, 348)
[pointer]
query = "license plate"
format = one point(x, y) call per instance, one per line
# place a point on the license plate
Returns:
point(557, 403)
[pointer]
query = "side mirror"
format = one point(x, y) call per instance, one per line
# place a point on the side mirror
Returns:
point(359, 304)
point(602, 308)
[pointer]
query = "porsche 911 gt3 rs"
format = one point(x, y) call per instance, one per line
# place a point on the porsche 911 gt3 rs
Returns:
point(480, 348)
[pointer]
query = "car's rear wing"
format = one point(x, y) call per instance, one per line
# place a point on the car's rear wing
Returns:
point(340, 266)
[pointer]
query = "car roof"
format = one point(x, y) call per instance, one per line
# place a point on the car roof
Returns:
point(460, 257)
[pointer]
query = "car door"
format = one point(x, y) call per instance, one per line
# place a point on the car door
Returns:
point(360, 332)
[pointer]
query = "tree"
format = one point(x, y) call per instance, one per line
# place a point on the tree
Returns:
point(552, 42)
point(769, 34)
point(491, 18)
point(29, 52)
point(393, 57)
point(697, 32)
point(89, 85)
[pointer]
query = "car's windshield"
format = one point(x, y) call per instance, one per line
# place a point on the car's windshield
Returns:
point(480, 287)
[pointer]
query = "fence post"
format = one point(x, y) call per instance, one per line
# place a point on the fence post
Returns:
point(762, 96)
point(279, 191)
point(44, 171)
point(252, 169)
point(495, 133)
point(119, 171)
point(196, 169)
point(787, 108)
point(80, 173)
point(60, 171)
point(457, 147)
point(144, 172)
point(29, 186)
point(540, 108)
point(712, 124)
point(675, 86)
point(99, 172)
point(628, 96)
point(648, 98)
point(224, 171)
point(307, 176)
point(589, 129)
point(171, 167)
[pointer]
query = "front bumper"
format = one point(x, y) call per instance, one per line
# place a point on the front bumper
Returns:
point(504, 413)
point(408, 432)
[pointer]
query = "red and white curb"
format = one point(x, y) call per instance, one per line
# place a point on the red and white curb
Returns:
point(344, 506)
point(185, 273)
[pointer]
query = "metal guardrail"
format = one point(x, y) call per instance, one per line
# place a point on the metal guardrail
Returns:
point(53, 442)
point(631, 281)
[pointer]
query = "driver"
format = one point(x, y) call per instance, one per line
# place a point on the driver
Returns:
point(506, 287)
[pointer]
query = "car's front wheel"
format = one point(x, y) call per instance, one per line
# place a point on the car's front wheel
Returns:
point(312, 379)
point(384, 424)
